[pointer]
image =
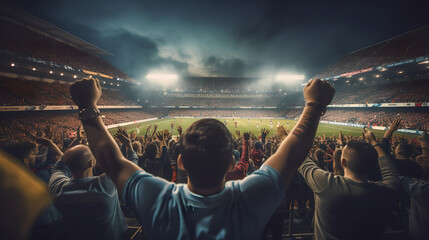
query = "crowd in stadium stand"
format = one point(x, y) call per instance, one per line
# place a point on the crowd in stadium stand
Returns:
point(221, 102)
point(19, 125)
point(26, 42)
point(413, 44)
point(335, 170)
point(415, 91)
point(17, 92)
point(412, 120)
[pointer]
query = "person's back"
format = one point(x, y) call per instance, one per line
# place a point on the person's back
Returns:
point(351, 207)
point(90, 209)
point(352, 210)
point(89, 205)
point(240, 205)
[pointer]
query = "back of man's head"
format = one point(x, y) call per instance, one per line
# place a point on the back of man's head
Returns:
point(360, 157)
point(207, 152)
point(22, 151)
point(150, 150)
point(404, 150)
point(78, 159)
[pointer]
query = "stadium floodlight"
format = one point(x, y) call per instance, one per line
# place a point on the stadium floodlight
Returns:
point(162, 78)
point(289, 78)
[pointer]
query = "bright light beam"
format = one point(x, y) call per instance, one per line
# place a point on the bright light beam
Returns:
point(161, 77)
point(289, 78)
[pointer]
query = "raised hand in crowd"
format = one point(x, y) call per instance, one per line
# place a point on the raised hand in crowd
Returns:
point(53, 148)
point(179, 130)
point(424, 142)
point(124, 138)
point(281, 132)
point(133, 135)
point(296, 146)
point(238, 133)
point(265, 131)
point(341, 141)
point(160, 135)
point(393, 127)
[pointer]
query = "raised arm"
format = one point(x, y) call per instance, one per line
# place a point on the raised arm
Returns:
point(424, 141)
point(85, 94)
point(388, 169)
point(295, 147)
point(240, 169)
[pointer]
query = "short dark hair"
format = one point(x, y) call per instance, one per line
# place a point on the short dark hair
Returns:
point(207, 152)
point(365, 157)
point(19, 150)
point(405, 149)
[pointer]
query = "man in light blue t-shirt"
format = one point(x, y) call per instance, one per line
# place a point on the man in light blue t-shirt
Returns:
point(89, 205)
point(207, 207)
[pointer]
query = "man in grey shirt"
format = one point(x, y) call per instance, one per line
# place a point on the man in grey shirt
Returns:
point(89, 205)
point(351, 207)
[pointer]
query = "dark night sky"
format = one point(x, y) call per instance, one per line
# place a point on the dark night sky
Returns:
point(229, 38)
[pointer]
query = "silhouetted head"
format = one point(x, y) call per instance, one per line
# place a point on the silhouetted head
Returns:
point(359, 157)
point(207, 152)
point(79, 159)
point(25, 152)
point(404, 150)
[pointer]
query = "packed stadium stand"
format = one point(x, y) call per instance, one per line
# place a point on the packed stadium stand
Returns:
point(373, 85)
point(399, 48)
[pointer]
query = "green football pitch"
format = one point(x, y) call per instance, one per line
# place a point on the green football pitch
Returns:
point(251, 125)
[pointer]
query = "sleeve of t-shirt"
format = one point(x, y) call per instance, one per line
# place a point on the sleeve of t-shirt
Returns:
point(143, 192)
point(60, 175)
point(389, 173)
point(317, 179)
point(263, 190)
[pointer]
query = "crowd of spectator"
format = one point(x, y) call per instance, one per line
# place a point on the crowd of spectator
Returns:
point(413, 44)
point(224, 113)
point(26, 42)
point(332, 182)
point(17, 92)
point(19, 125)
point(412, 120)
point(413, 91)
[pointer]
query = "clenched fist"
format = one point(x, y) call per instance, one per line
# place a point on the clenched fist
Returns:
point(318, 91)
point(85, 93)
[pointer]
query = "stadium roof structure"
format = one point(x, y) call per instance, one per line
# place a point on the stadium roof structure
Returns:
point(405, 46)
point(34, 23)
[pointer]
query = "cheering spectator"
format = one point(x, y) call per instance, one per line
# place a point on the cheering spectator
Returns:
point(206, 207)
point(89, 205)
point(350, 207)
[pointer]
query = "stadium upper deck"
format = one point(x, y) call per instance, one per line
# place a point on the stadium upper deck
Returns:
point(41, 42)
